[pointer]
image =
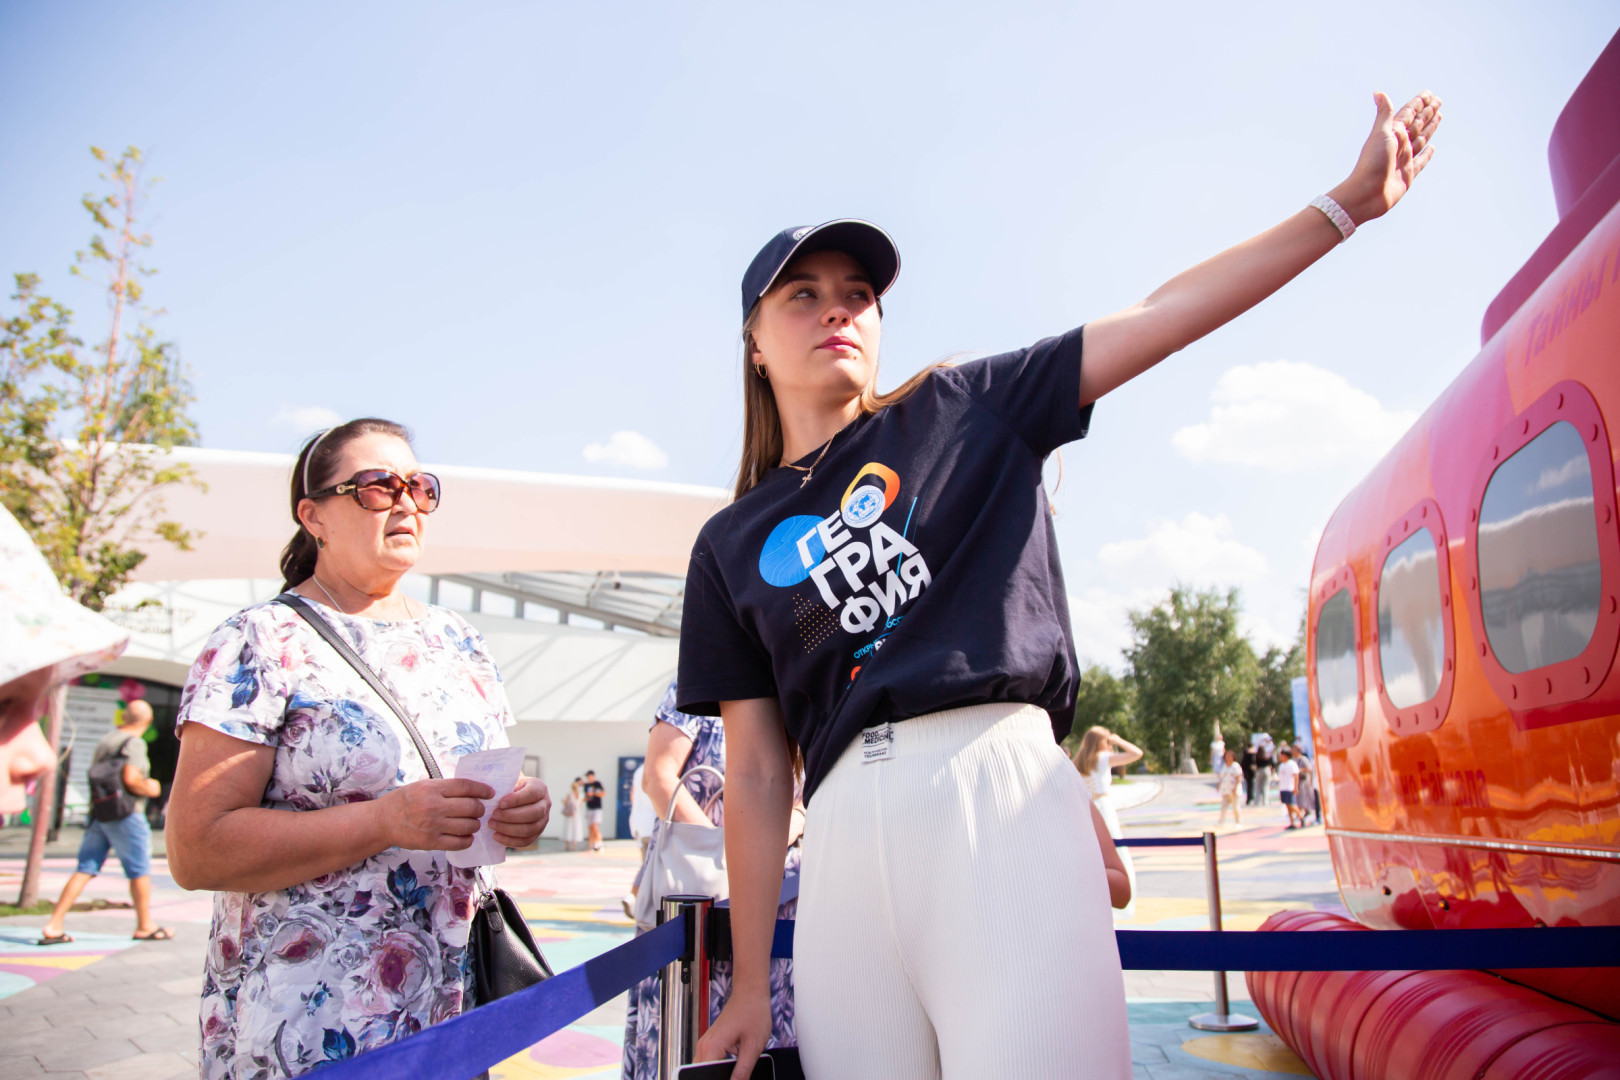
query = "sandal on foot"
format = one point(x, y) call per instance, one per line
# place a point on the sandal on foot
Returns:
point(54, 939)
point(162, 933)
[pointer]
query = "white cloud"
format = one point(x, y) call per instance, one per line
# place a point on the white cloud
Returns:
point(1291, 417)
point(306, 418)
point(1262, 634)
point(1101, 632)
point(631, 449)
point(1197, 550)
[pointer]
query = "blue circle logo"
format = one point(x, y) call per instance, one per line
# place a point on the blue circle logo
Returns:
point(863, 506)
point(783, 562)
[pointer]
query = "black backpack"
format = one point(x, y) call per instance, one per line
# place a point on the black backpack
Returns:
point(110, 800)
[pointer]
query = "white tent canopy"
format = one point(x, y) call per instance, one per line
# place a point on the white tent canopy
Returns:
point(492, 521)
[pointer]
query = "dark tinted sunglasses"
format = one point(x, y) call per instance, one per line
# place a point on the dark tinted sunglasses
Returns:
point(379, 489)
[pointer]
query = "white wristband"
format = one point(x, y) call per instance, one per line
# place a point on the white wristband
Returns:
point(1335, 213)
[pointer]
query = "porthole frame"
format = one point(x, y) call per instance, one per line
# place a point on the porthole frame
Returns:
point(1579, 677)
point(1430, 714)
point(1344, 578)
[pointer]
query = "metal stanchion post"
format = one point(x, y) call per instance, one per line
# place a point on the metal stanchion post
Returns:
point(683, 992)
point(1222, 1019)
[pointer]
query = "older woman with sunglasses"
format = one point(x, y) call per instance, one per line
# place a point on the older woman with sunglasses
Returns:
point(339, 924)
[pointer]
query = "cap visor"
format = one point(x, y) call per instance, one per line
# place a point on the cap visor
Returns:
point(864, 242)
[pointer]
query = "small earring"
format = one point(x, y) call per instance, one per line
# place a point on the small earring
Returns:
point(320, 544)
point(759, 369)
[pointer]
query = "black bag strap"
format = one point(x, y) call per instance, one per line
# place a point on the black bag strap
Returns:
point(123, 755)
point(334, 639)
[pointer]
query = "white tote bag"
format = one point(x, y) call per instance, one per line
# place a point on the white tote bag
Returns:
point(684, 859)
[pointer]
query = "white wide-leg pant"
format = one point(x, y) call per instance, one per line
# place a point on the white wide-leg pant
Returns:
point(953, 914)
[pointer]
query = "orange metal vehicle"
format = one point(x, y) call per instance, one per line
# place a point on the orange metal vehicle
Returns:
point(1464, 613)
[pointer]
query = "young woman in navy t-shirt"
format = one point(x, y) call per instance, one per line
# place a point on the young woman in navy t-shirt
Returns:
point(884, 596)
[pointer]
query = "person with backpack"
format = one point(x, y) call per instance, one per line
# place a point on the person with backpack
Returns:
point(119, 785)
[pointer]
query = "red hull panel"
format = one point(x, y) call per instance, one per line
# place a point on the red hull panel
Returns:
point(1438, 1025)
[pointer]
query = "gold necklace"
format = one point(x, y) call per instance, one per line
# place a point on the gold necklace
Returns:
point(811, 468)
point(339, 606)
point(329, 596)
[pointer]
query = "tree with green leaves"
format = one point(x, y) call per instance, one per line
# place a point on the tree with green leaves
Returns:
point(85, 429)
point(1191, 671)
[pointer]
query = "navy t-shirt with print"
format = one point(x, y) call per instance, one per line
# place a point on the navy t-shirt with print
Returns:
point(916, 571)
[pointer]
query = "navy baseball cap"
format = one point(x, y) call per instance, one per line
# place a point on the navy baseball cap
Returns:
point(863, 241)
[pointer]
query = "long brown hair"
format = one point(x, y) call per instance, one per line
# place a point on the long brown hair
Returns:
point(298, 557)
point(1091, 744)
point(762, 424)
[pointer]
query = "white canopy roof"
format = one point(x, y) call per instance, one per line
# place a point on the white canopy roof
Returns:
point(615, 550)
point(493, 521)
point(551, 671)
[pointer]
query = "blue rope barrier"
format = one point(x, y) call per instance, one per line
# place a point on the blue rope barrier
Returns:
point(470, 1043)
point(1351, 950)
point(1160, 841)
point(1369, 950)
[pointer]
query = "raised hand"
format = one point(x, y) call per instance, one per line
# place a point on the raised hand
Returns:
point(1397, 150)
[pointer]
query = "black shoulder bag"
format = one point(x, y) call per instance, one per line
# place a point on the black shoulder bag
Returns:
point(505, 957)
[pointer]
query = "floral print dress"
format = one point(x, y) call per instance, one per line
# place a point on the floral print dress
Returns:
point(641, 1020)
point(300, 977)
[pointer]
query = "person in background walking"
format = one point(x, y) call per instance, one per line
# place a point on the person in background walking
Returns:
point(127, 834)
point(593, 791)
point(1250, 770)
point(1229, 778)
point(1288, 785)
point(1262, 771)
point(1309, 797)
point(573, 809)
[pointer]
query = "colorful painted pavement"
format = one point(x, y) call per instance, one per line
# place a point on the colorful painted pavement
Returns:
point(23, 964)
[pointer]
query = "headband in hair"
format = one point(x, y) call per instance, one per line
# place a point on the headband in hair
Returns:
point(311, 455)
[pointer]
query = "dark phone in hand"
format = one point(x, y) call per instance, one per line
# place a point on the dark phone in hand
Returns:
point(765, 1069)
point(786, 1061)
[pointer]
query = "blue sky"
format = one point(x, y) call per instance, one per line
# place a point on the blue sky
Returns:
point(520, 227)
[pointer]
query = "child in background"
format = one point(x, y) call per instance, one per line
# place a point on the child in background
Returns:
point(1288, 786)
point(1230, 780)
